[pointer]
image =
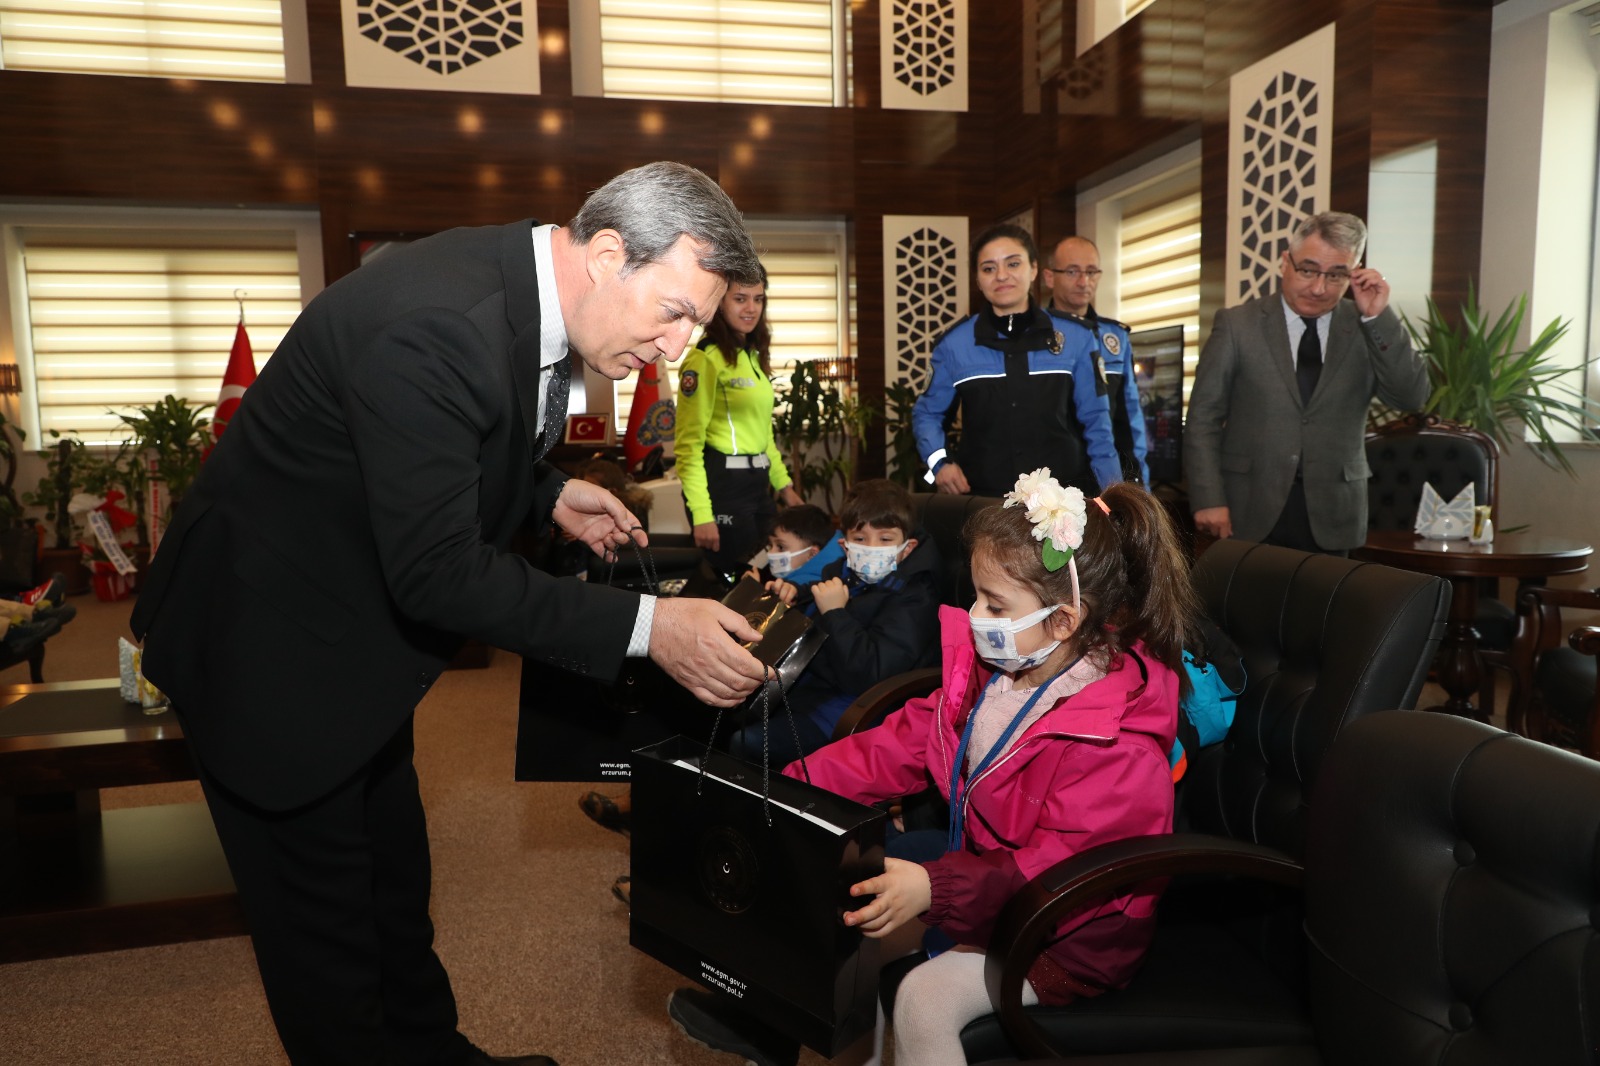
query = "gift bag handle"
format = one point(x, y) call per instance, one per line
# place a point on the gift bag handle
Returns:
point(766, 754)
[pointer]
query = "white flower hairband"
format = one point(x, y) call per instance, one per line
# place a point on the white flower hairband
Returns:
point(1058, 515)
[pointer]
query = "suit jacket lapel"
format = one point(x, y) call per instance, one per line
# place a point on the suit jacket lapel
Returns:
point(1276, 331)
point(522, 313)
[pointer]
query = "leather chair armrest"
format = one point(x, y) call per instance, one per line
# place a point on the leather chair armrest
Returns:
point(1028, 922)
point(872, 705)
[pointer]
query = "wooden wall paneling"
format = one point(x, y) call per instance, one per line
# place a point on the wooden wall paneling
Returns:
point(119, 138)
point(787, 160)
point(1432, 59)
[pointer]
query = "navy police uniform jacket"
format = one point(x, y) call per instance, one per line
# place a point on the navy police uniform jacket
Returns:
point(1113, 358)
point(1028, 397)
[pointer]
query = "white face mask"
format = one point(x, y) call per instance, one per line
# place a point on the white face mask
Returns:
point(996, 639)
point(783, 564)
point(872, 562)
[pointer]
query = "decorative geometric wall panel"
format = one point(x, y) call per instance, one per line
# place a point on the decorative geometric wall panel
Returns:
point(459, 45)
point(1280, 121)
point(924, 288)
point(923, 64)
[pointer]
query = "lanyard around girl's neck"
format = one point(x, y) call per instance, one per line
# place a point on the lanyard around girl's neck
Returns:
point(958, 795)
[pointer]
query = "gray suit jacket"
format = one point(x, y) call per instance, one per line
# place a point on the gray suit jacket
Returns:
point(1248, 433)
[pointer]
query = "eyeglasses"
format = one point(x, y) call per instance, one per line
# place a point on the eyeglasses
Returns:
point(1073, 273)
point(1311, 274)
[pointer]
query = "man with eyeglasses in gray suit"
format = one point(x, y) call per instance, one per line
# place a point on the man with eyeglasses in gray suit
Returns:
point(1274, 445)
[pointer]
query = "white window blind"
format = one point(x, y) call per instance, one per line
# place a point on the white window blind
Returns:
point(115, 326)
point(750, 51)
point(1160, 266)
point(232, 40)
point(807, 304)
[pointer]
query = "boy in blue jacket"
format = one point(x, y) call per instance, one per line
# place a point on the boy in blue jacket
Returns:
point(879, 606)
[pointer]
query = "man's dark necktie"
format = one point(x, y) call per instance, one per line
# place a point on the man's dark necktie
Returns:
point(555, 405)
point(1308, 361)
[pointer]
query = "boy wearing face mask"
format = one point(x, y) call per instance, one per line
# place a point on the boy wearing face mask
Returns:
point(803, 542)
point(879, 606)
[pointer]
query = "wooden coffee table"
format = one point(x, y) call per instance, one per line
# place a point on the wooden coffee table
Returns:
point(1515, 555)
point(75, 878)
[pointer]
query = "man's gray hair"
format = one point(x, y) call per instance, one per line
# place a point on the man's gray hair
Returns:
point(653, 205)
point(1345, 232)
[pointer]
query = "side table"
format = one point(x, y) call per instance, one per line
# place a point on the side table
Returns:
point(75, 878)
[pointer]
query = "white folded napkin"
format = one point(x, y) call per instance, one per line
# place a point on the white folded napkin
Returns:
point(1437, 520)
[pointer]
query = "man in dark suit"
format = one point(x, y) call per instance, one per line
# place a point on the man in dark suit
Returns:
point(1274, 446)
point(352, 527)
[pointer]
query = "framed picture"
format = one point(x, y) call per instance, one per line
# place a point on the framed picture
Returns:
point(590, 429)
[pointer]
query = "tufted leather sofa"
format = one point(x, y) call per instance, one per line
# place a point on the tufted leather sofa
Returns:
point(1325, 641)
point(1451, 893)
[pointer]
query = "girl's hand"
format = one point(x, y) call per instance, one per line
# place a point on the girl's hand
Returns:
point(789, 497)
point(830, 595)
point(783, 590)
point(903, 893)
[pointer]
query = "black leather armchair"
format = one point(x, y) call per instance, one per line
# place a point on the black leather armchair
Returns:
point(1325, 641)
point(1450, 897)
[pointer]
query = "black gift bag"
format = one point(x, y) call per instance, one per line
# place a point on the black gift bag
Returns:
point(572, 728)
point(746, 894)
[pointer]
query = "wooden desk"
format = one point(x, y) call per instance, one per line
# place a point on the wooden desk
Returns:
point(76, 879)
point(1514, 555)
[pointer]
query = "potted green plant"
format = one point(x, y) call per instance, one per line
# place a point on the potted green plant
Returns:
point(174, 436)
point(1480, 380)
point(819, 431)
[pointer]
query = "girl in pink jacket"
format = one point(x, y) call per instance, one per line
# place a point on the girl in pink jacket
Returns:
point(1049, 735)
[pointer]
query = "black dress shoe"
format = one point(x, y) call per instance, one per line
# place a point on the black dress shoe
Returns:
point(604, 810)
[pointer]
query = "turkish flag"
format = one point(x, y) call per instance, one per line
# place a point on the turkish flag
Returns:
point(652, 416)
point(240, 373)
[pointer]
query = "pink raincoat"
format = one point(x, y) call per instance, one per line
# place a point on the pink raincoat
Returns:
point(1091, 770)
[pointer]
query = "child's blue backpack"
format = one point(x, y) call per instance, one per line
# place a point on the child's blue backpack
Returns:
point(1216, 676)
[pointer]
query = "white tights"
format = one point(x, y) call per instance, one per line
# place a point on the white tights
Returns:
point(935, 1002)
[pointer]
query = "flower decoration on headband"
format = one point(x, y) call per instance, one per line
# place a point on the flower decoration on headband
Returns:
point(1058, 514)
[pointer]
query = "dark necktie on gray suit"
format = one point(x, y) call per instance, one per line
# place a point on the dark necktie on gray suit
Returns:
point(555, 405)
point(1308, 361)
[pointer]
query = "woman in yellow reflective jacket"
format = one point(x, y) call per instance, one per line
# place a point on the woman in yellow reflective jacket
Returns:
point(728, 461)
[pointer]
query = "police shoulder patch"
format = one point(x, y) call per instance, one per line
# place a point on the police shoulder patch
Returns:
point(689, 382)
point(1112, 342)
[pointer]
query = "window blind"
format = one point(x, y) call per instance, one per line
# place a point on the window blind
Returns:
point(1159, 251)
point(750, 51)
point(113, 327)
point(232, 40)
point(807, 305)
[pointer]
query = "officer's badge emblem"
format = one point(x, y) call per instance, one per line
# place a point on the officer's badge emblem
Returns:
point(1056, 343)
point(689, 382)
point(1113, 345)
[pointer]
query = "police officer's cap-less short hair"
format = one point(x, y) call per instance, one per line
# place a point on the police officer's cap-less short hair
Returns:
point(1005, 229)
point(653, 205)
